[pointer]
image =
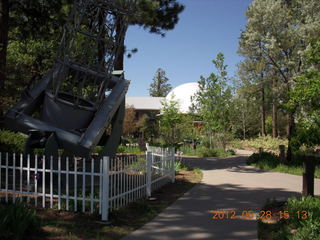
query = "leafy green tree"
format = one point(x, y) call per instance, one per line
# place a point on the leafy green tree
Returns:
point(305, 99)
point(160, 86)
point(279, 32)
point(169, 121)
point(213, 100)
point(244, 112)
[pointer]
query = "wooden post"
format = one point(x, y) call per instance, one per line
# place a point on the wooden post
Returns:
point(308, 177)
point(282, 155)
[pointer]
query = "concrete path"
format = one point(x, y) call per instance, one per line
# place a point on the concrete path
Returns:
point(228, 184)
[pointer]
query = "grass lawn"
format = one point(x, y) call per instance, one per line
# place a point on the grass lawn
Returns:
point(67, 225)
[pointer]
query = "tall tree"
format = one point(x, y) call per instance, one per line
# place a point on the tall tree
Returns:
point(245, 111)
point(156, 16)
point(129, 122)
point(213, 100)
point(169, 121)
point(279, 32)
point(4, 27)
point(160, 86)
point(305, 99)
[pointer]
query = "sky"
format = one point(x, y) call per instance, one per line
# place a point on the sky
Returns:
point(205, 28)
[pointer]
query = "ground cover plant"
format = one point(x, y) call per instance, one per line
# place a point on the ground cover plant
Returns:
point(69, 225)
point(299, 220)
point(129, 149)
point(267, 143)
point(270, 161)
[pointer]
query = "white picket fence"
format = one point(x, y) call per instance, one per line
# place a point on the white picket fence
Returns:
point(87, 185)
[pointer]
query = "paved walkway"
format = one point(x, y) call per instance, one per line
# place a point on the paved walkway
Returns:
point(228, 184)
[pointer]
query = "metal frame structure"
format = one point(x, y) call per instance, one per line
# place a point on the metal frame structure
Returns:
point(80, 103)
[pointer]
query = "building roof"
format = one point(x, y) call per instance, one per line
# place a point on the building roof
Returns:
point(145, 103)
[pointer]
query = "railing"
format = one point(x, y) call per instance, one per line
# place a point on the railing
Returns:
point(87, 185)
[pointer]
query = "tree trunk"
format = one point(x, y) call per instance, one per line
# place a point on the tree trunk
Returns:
point(274, 109)
point(263, 109)
point(4, 28)
point(290, 129)
point(274, 120)
point(243, 125)
point(101, 44)
point(120, 36)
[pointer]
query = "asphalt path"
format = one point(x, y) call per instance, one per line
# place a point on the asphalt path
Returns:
point(228, 186)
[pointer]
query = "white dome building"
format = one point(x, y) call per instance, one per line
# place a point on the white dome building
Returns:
point(183, 94)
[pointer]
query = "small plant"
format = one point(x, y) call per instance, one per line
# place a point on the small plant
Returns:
point(179, 166)
point(129, 149)
point(16, 220)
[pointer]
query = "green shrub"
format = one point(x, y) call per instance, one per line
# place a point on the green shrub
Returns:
point(215, 152)
point(297, 226)
point(203, 151)
point(304, 227)
point(17, 221)
point(266, 142)
point(270, 161)
point(12, 142)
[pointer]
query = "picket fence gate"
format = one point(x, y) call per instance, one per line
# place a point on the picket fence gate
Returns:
point(87, 185)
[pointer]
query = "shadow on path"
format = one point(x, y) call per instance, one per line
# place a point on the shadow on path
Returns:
point(228, 184)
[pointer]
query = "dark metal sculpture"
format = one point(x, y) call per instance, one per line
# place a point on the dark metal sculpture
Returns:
point(80, 103)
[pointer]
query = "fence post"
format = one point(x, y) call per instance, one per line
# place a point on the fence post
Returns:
point(149, 170)
point(308, 177)
point(105, 189)
point(172, 164)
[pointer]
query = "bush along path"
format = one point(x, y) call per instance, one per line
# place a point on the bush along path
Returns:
point(270, 161)
point(297, 219)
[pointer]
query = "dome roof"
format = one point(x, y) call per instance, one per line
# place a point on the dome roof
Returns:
point(183, 94)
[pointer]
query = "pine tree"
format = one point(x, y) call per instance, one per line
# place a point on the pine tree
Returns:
point(160, 86)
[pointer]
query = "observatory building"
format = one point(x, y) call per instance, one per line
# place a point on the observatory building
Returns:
point(183, 94)
point(148, 105)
